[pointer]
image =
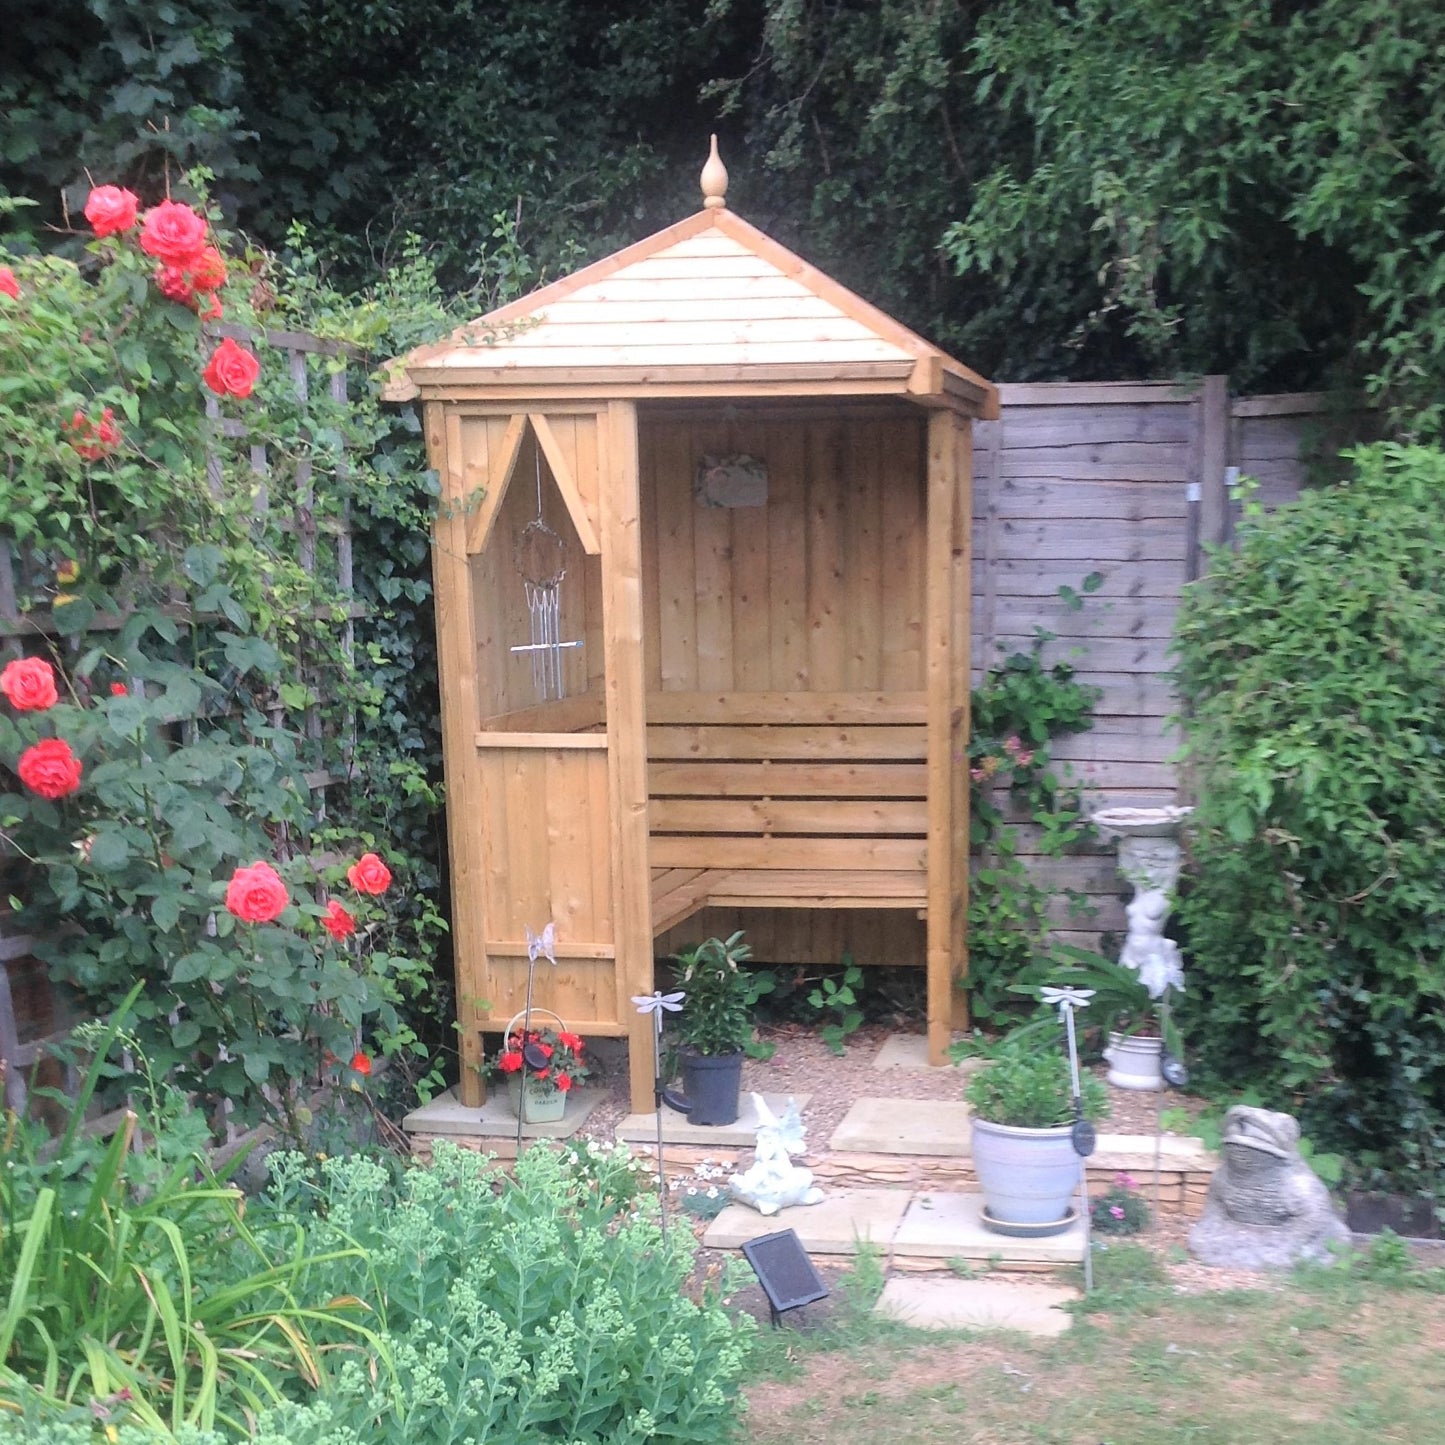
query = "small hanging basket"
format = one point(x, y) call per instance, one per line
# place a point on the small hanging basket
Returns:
point(534, 1100)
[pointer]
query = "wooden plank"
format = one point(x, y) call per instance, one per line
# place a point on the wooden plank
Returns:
point(787, 560)
point(566, 482)
point(1159, 422)
point(712, 581)
point(826, 816)
point(960, 719)
point(903, 524)
point(788, 780)
point(767, 885)
point(861, 610)
point(456, 666)
point(1298, 403)
point(563, 715)
point(626, 736)
point(517, 948)
point(556, 741)
point(751, 563)
point(883, 854)
point(824, 568)
point(677, 588)
point(560, 332)
point(1213, 457)
point(938, 671)
point(501, 465)
point(722, 382)
point(1043, 576)
point(520, 357)
point(785, 707)
point(786, 301)
point(1091, 393)
point(1088, 543)
point(1101, 462)
point(757, 743)
point(1066, 500)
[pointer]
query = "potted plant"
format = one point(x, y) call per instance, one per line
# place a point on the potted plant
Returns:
point(715, 1024)
point(1023, 1150)
point(541, 1066)
point(1131, 1004)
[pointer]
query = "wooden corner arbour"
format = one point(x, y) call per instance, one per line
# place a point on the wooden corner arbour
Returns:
point(765, 682)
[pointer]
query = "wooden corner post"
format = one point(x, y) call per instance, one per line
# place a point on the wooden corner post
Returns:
point(946, 661)
point(621, 544)
point(457, 667)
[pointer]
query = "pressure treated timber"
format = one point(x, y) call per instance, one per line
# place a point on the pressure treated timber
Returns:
point(793, 708)
point(457, 660)
point(787, 779)
point(755, 743)
point(709, 851)
point(626, 734)
point(815, 815)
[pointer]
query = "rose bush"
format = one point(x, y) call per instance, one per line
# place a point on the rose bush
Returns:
point(369, 874)
point(110, 209)
point(174, 233)
point(232, 370)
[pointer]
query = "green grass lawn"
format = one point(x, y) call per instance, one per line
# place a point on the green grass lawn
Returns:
point(1352, 1356)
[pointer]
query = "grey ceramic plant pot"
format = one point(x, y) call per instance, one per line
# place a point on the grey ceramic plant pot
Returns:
point(1028, 1176)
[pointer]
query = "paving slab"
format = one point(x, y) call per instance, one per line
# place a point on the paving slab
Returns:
point(936, 1127)
point(977, 1304)
point(1135, 1154)
point(642, 1128)
point(446, 1115)
point(834, 1226)
point(940, 1225)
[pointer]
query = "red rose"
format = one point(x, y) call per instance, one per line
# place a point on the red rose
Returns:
point(509, 1062)
point(111, 208)
point(232, 370)
point(369, 874)
point(119, 689)
point(361, 1063)
point(209, 271)
point(50, 768)
point(338, 922)
point(173, 233)
point(256, 894)
point(8, 284)
point(93, 441)
point(174, 284)
point(29, 683)
point(563, 1082)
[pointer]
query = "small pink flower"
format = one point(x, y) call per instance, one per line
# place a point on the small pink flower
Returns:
point(1116, 1211)
point(8, 284)
point(1125, 1181)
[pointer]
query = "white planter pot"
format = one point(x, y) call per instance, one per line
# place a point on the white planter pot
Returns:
point(1028, 1176)
point(1134, 1062)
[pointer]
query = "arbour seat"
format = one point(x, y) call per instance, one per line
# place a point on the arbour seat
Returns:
point(775, 800)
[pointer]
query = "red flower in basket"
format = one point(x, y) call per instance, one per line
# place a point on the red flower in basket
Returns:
point(510, 1061)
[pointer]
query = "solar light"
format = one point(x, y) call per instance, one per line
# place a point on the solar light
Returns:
point(785, 1272)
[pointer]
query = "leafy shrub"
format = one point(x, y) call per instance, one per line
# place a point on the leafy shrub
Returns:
point(536, 1307)
point(1026, 1083)
point(1312, 663)
point(716, 1016)
point(1119, 1210)
point(136, 1289)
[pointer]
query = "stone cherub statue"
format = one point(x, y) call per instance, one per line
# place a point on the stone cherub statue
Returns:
point(1266, 1208)
point(773, 1182)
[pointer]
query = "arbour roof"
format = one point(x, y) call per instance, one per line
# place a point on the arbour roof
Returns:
point(710, 303)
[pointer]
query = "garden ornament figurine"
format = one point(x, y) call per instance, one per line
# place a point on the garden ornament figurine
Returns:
point(1266, 1208)
point(773, 1181)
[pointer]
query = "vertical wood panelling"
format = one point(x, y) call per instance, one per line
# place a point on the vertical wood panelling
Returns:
point(819, 590)
point(452, 578)
point(960, 599)
point(626, 734)
point(826, 582)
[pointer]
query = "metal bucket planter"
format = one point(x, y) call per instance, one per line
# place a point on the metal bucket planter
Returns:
point(1134, 1061)
point(1028, 1176)
point(537, 1104)
point(535, 1101)
point(712, 1084)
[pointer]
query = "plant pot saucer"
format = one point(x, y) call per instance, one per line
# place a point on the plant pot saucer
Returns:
point(1041, 1230)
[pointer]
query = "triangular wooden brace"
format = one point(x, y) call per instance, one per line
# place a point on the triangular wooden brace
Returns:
point(499, 475)
point(566, 483)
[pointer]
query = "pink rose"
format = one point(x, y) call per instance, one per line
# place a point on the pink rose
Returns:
point(8, 284)
point(29, 684)
point(173, 233)
point(256, 894)
point(50, 769)
point(110, 209)
point(232, 370)
point(369, 874)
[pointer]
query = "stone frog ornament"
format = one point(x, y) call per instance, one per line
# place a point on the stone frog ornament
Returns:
point(773, 1182)
point(1266, 1208)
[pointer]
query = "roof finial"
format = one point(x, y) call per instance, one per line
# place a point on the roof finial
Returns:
point(714, 180)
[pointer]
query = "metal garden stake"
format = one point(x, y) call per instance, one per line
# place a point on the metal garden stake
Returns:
point(1066, 1000)
point(655, 1004)
point(543, 945)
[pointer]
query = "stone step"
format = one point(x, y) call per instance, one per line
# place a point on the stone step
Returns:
point(933, 1225)
point(1025, 1306)
point(741, 1134)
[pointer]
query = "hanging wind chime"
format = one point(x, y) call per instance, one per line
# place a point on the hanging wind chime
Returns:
point(541, 560)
